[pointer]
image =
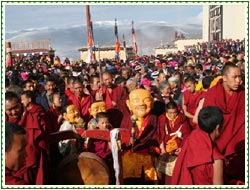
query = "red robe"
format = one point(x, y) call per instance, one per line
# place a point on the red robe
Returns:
point(194, 164)
point(118, 95)
point(232, 140)
point(82, 105)
point(149, 136)
point(172, 127)
point(14, 178)
point(34, 121)
point(68, 93)
point(191, 101)
point(53, 115)
point(119, 112)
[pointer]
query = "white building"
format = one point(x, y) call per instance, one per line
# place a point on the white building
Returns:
point(227, 21)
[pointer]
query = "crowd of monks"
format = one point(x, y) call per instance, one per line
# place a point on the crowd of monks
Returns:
point(185, 115)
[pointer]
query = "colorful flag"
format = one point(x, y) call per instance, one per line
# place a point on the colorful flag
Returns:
point(117, 43)
point(124, 47)
point(134, 39)
point(91, 46)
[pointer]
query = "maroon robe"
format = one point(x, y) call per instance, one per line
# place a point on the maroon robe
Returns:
point(53, 115)
point(117, 113)
point(232, 140)
point(14, 178)
point(35, 122)
point(170, 127)
point(68, 93)
point(149, 136)
point(12, 119)
point(82, 105)
point(194, 164)
point(99, 147)
point(191, 101)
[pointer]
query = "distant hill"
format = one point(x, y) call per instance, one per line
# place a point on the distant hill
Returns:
point(67, 41)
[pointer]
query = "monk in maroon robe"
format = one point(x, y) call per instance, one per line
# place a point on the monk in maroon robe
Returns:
point(35, 123)
point(229, 96)
point(199, 162)
point(69, 86)
point(15, 154)
point(173, 134)
point(190, 100)
point(81, 100)
point(115, 98)
point(55, 112)
point(13, 107)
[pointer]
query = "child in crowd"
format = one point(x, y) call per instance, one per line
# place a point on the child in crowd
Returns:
point(199, 162)
point(190, 99)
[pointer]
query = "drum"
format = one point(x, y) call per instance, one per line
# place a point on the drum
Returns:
point(165, 164)
point(85, 169)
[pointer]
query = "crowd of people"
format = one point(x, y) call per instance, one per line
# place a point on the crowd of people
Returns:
point(188, 105)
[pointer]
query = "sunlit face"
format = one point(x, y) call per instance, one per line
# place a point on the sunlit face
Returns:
point(57, 100)
point(96, 108)
point(107, 80)
point(13, 108)
point(95, 85)
point(78, 89)
point(140, 102)
point(50, 87)
point(232, 79)
point(25, 100)
point(29, 86)
point(190, 87)
point(172, 113)
point(15, 157)
point(72, 114)
point(102, 123)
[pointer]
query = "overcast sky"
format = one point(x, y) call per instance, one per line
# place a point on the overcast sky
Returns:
point(18, 17)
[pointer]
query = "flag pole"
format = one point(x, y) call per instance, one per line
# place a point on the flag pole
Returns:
point(134, 39)
point(124, 47)
point(91, 52)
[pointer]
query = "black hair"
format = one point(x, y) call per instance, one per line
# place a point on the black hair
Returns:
point(50, 79)
point(209, 117)
point(171, 105)
point(51, 98)
point(101, 115)
point(190, 79)
point(119, 80)
point(11, 95)
point(10, 130)
point(206, 81)
point(199, 66)
point(91, 80)
point(227, 66)
point(29, 94)
point(25, 82)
